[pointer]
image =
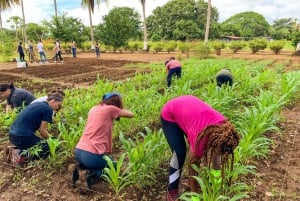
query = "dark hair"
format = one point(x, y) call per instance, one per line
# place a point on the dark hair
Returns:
point(172, 58)
point(55, 96)
point(58, 90)
point(112, 99)
point(4, 87)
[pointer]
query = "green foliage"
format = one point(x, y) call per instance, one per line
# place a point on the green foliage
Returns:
point(218, 46)
point(202, 51)
point(183, 47)
point(236, 46)
point(257, 45)
point(283, 28)
point(53, 146)
point(35, 32)
point(114, 175)
point(170, 46)
point(250, 24)
point(158, 47)
point(180, 20)
point(119, 26)
point(66, 29)
point(296, 38)
point(277, 46)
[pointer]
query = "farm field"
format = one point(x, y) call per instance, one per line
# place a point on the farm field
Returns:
point(278, 174)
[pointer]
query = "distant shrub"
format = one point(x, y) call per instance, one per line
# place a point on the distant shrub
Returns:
point(277, 46)
point(218, 46)
point(258, 44)
point(236, 46)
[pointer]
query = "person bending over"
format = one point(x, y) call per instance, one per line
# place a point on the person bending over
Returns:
point(224, 77)
point(205, 129)
point(173, 68)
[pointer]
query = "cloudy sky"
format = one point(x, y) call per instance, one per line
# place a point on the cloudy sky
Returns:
point(38, 10)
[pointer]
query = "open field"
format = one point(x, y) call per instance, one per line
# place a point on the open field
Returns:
point(279, 173)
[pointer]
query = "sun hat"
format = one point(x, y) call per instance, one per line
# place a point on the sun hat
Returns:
point(109, 95)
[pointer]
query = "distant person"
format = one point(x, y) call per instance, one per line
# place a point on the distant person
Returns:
point(58, 52)
point(73, 48)
point(21, 51)
point(40, 47)
point(188, 122)
point(15, 97)
point(34, 117)
point(96, 140)
point(173, 68)
point(224, 77)
point(31, 52)
point(97, 50)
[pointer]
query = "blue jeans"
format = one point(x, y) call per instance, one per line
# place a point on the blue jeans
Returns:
point(91, 161)
point(173, 71)
point(43, 56)
point(26, 142)
point(176, 140)
point(74, 52)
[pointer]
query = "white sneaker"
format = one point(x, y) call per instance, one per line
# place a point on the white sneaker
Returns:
point(62, 61)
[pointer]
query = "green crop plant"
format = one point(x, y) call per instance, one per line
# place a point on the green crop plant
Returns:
point(53, 146)
point(144, 147)
point(211, 189)
point(113, 174)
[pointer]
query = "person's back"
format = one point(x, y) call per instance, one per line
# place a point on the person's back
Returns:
point(19, 97)
point(224, 77)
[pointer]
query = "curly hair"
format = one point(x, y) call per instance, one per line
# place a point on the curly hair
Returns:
point(115, 100)
point(222, 140)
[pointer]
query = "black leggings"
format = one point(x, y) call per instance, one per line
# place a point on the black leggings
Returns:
point(176, 140)
point(173, 71)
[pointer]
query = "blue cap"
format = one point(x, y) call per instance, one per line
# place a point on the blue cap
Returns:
point(109, 95)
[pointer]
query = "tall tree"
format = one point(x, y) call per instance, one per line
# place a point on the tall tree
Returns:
point(91, 4)
point(24, 23)
point(143, 2)
point(17, 22)
point(5, 4)
point(55, 8)
point(207, 22)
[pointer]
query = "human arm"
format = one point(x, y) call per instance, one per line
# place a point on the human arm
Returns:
point(43, 130)
point(8, 108)
point(192, 159)
point(126, 113)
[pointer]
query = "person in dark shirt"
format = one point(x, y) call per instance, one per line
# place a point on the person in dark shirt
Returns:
point(224, 77)
point(34, 117)
point(21, 51)
point(15, 97)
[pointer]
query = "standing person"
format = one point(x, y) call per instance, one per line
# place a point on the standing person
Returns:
point(35, 117)
point(15, 97)
point(21, 51)
point(97, 49)
point(40, 47)
point(224, 77)
point(31, 52)
point(207, 131)
point(73, 48)
point(96, 140)
point(173, 68)
point(58, 52)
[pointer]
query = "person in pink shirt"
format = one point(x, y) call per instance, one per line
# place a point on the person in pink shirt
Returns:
point(173, 68)
point(206, 130)
point(96, 140)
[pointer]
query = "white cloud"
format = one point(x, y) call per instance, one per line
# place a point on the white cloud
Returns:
point(38, 10)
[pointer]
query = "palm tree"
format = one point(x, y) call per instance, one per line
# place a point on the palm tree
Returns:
point(143, 2)
point(91, 4)
point(207, 22)
point(55, 8)
point(5, 4)
point(24, 23)
point(17, 22)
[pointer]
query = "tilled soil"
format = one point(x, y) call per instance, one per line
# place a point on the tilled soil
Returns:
point(278, 175)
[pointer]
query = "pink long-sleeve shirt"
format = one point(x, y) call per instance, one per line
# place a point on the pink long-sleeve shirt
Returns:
point(173, 64)
point(192, 115)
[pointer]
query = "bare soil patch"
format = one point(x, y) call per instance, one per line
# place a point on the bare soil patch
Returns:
point(279, 174)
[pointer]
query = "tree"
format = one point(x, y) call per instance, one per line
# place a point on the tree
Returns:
point(283, 28)
point(250, 24)
point(67, 28)
point(207, 22)
point(143, 2)
point(162, 23)
point(5, 4)
point(35, 31)
point(17, 21)
point(55, 8)
point(91, 4)
point(119, 25)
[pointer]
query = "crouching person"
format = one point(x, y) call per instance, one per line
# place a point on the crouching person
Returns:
point(34, 117)
point(96, 140)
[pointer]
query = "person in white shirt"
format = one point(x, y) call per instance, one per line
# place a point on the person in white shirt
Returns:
point(40, 47)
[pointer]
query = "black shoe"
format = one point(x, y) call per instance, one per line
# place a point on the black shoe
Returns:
point(75, 176)
point(92, 178)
